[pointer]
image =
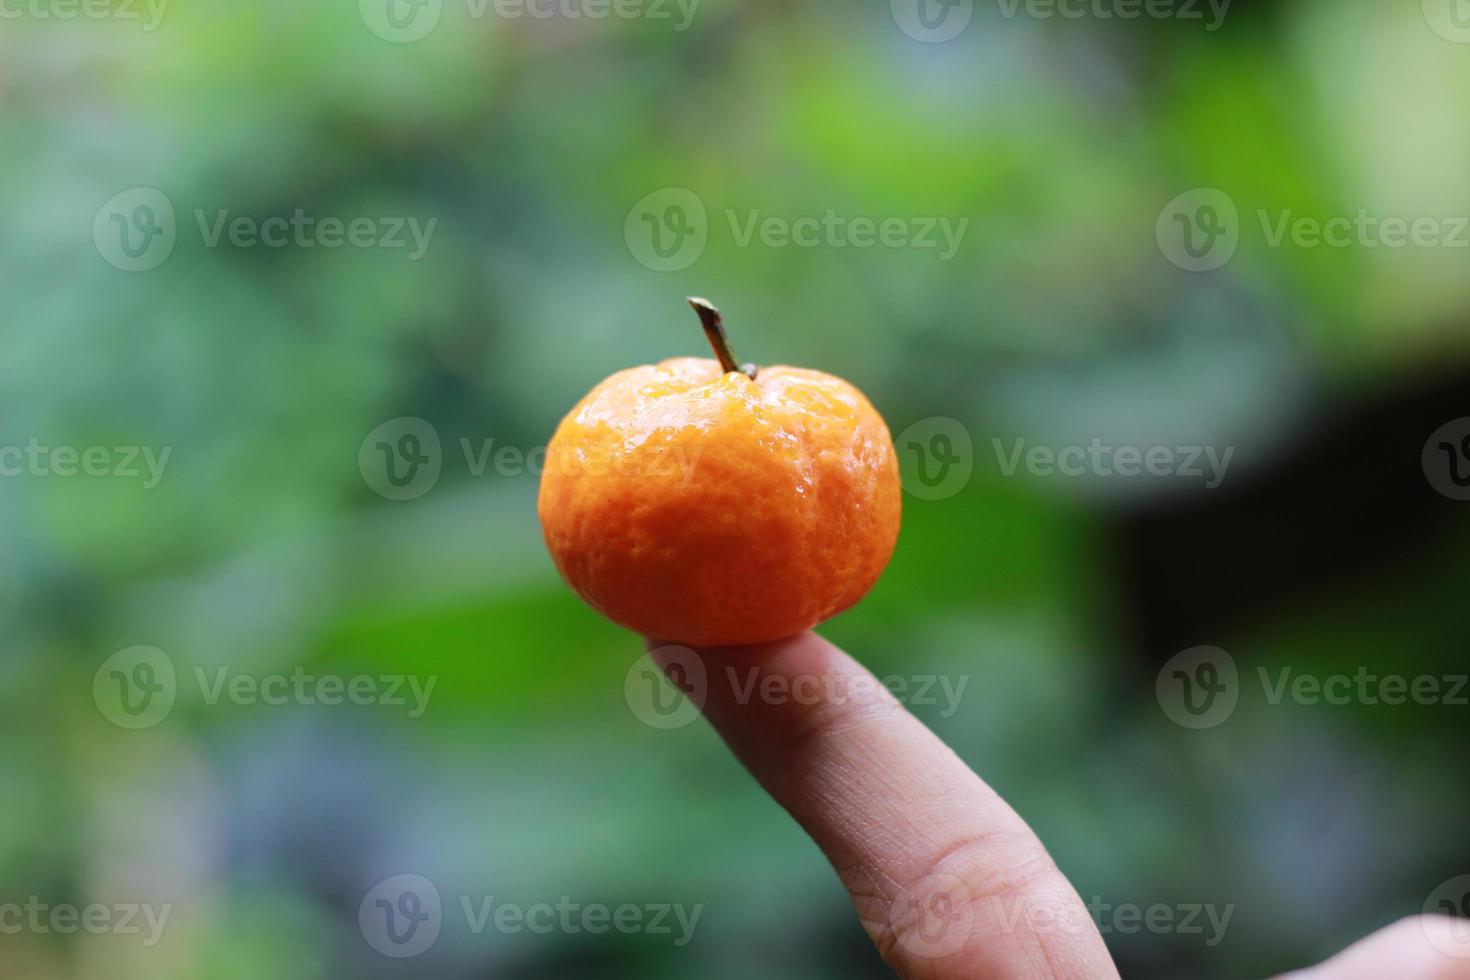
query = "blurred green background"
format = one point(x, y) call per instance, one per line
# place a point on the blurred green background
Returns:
point(539, 148)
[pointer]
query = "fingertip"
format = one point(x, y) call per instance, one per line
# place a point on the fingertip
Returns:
point(806, 651)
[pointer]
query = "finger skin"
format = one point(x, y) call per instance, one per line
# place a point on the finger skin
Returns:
point(1429, 947)
point(949, 882)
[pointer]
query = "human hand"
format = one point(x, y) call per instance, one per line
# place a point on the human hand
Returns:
point(936, 863)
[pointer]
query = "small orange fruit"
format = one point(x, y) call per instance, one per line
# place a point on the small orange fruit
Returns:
point(694, 502)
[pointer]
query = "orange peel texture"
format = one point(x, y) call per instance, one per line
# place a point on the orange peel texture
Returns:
point(703, 508)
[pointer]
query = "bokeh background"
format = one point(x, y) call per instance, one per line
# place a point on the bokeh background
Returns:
point(542, 148)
